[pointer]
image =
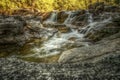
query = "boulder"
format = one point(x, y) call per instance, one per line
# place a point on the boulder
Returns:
point(106, 29)
point(93, 53)
point(15, 31)
point(96, 8)
point(112, 8)
point(62, 17)
point(9, 28)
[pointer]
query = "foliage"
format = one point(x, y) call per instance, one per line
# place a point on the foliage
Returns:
point(49, 5)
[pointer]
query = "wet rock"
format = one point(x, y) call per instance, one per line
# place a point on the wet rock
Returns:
point(112, 9)
point(80, 20)
point(116, 21)
point(100, 61)
point(9, 28)
point(96, 8)
point(60, 27)
point(100, 8)
point(16, 31)
point(62, 17)
point(92, 53)
point(104, 30)
point(63, 28)
point(46, 15)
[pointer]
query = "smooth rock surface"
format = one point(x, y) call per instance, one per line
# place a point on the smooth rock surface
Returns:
point(101, 49)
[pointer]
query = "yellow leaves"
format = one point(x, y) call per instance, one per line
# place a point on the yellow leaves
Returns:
point(47, 5)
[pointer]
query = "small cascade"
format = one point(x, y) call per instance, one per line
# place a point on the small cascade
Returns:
point(53, 18)
point(90, 17)
point(59, 42)
point(70, 17)
point(55, 45)
point(94, 26)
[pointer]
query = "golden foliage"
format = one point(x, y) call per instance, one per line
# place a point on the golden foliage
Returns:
point(47, 5)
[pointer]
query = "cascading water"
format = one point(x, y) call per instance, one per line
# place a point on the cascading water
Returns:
point(53, 18)
point(60, 42)
point(94, 26)
point(89, 16)
point(70, 17)
point(55, 45)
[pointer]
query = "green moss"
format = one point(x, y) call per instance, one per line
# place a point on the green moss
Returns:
point(49, 59)
point(3, 54)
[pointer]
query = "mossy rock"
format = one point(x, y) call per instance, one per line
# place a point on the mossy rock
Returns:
point(28, 47)
point(49, 59)
point(3, 54)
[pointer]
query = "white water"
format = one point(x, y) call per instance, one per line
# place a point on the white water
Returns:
point(95, 26)
point(58, 43)
point(70, 17)
point(90, 18)
point(54, 45)
point(52, 19)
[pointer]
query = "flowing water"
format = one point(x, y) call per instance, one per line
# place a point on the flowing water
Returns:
point(55, 45)
point(70, 18)
point(52, 19)
point(95, 25)
point(52, 47)
point(90, 18)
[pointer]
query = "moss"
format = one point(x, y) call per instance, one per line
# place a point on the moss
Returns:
point(3, 54)
point(49, 59)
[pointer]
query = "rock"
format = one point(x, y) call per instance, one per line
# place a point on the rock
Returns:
point(116, 21)
point(80, 20)
point(12, 68)
point(98, 31)
point(101, 7)
point(16, 31)
point(111, 8)
point(9, 28)
point(62, 17)
point(96, 8)
point(92, 53)
point(99, 61)
point(46, 15)
point(60, 27)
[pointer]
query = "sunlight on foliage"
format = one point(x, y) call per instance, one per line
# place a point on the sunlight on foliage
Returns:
point(49, 5)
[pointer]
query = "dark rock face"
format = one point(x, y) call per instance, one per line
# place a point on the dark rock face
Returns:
point(10, 28)
point(101, 49)
point(18, 30)
point(103, 25)
point(112, 9)
point(15, 32)
point(62, 16)
point(101, 7)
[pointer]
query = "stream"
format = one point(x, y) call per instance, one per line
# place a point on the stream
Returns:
point(55, 37)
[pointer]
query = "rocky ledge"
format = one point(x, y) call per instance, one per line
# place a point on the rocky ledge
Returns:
point(101, 61)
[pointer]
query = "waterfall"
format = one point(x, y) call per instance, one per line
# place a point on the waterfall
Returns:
point(90, 17)
point(53, 18)
point(94, 26)
point(55, 45)
point(60, 42)
point(70, 17)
